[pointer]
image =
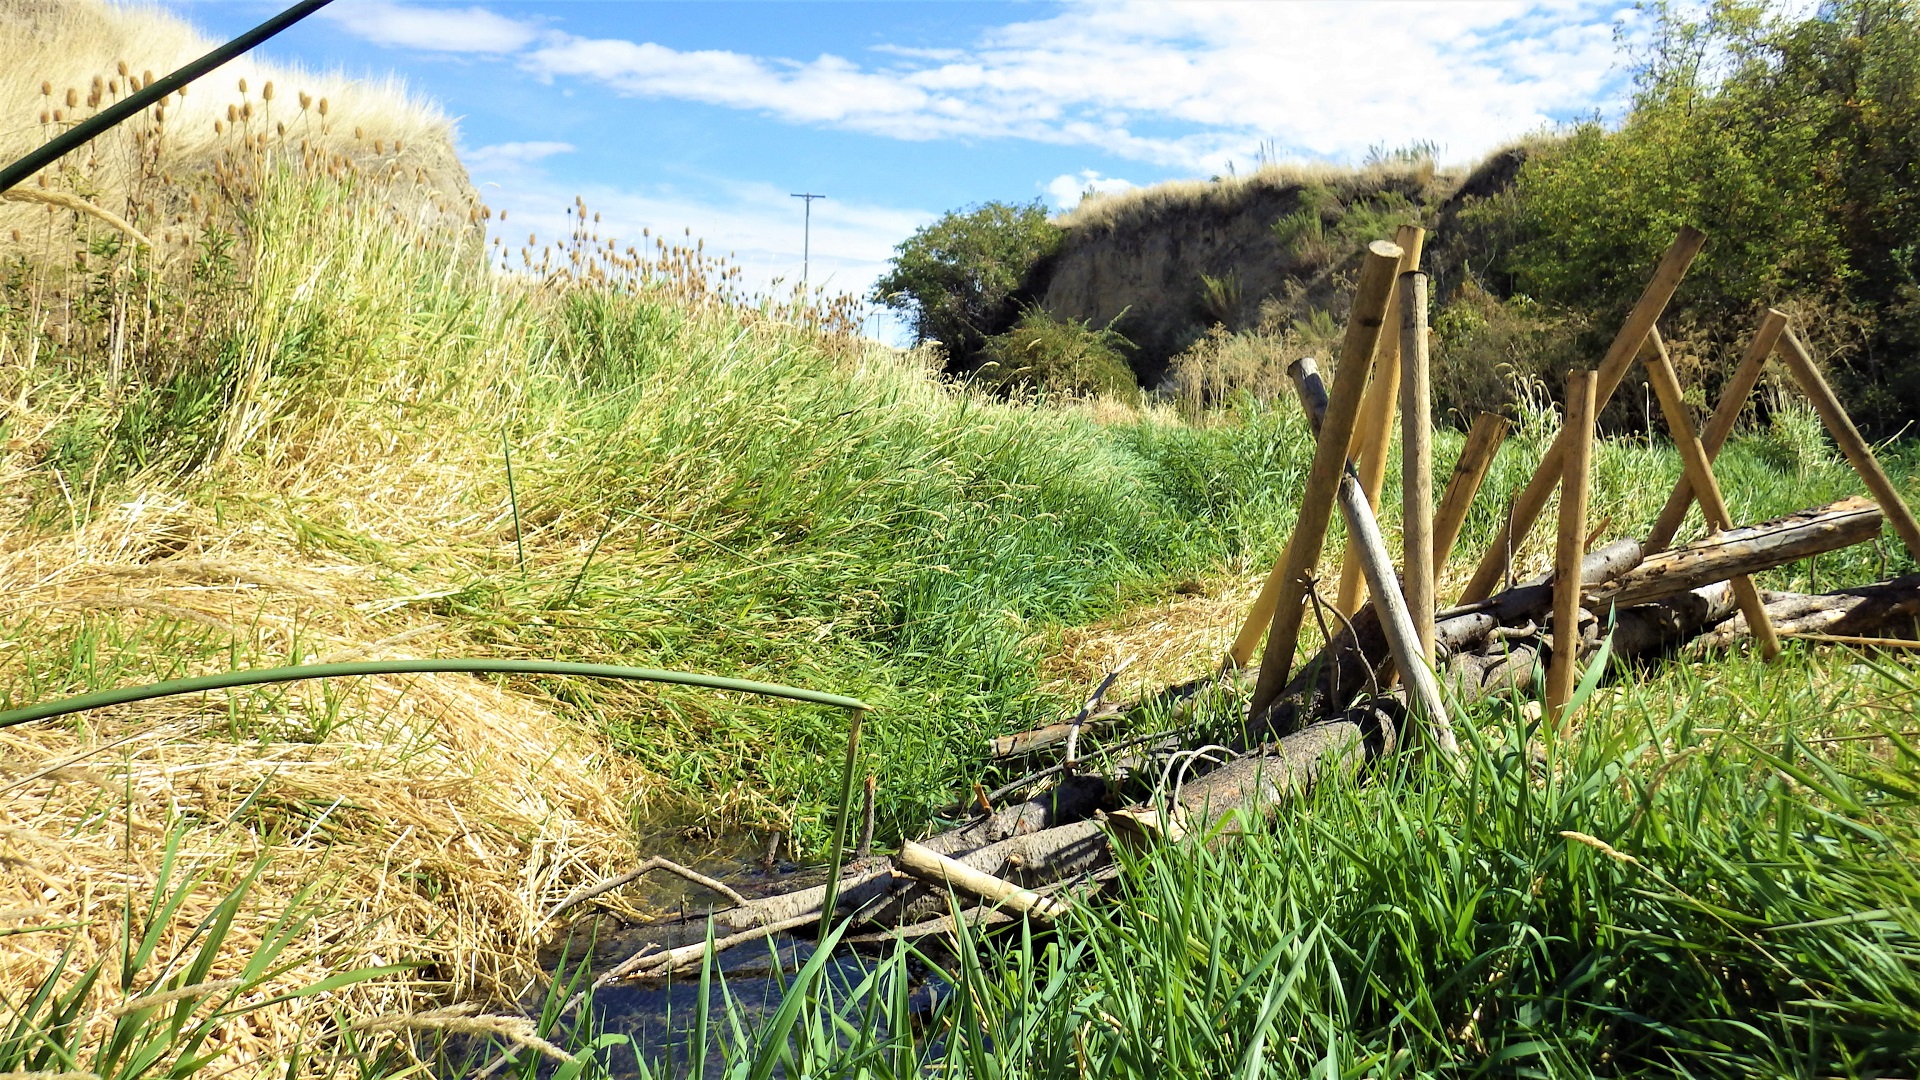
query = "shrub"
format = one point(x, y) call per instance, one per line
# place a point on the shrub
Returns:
point(1059, 356)
point(956, 278)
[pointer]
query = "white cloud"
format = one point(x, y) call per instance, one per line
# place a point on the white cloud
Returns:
point(439, 29)
point(503, 157)
point(1068, 189)
point(1191, 84)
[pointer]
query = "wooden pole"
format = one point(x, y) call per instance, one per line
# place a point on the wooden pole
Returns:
point(1733, 399)
point(1323, 476)
point(1356, 358)
point(1476, 457)
point(1840, 426)
point(1374, 434)
point(1699, 474)
point(1396, 622)
point(1633, 334)
point(1416, 462)
point(1578, 461)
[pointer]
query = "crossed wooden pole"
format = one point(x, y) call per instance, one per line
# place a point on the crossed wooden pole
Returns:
point(1353, 424)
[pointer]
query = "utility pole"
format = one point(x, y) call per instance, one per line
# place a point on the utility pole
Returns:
point(806, 235)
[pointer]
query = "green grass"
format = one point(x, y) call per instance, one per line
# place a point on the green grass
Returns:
point(1695, 886)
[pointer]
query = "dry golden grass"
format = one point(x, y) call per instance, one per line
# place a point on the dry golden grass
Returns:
point(1113, 209)
point(86, 54)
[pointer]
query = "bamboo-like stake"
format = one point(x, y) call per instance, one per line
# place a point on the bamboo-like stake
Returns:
point(1396, 622)
point(1850, 639)
point(1476, 457)
point(1374, 433)
point(1577, 434)
point(941, 871)
point(1699, 472)
point(1840, 426)
point(1733, 399)
point(1626, 344)
point(1289, 581)
point(1356, 359)
point(1416, 462)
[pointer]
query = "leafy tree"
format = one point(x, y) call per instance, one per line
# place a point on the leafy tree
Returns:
point(956, 278)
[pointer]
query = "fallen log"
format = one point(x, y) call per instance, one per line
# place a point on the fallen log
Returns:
point(1747, 550)
point(940, 871)
point(1883, 609)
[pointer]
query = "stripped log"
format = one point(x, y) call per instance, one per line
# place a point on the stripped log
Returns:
point(1570, 544)
point(1746, 550)
point(1416, 462)
point(1374, 433)
point(1476, 457)
point(1526, 506)
point(1389, 605)
point(1075, 798)
point(1840, 426)
point(1697, 469)
point(1281, 603)
point(1733, 400)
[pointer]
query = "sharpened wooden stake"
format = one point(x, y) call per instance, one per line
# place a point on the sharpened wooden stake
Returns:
point(1701, 481)
point(1840, 426)
point(1363, 532)
point(1289, 581)
point(1374, 432)
point(1733, 399)
point(1278, 607)
point(1626, 344)
point(1476, 457)
point(1577, 435)
point(940, 871)
point(1416, 462)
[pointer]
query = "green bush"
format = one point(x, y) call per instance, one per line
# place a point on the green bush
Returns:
point(956, 278)
point(1790, 140)
point(1059, 356)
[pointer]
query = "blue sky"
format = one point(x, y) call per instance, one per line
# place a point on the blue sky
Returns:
point(676, 115)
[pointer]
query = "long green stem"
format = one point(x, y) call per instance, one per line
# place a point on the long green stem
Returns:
point(832, 898)
point(100, 699)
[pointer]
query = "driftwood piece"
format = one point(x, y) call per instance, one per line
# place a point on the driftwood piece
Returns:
point(601, 888)
point(941, 871)
point(1532, 499)
point(1076, 797)
point(1252, 786)
point(1746, 550)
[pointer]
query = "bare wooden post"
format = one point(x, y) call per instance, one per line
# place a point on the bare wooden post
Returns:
point(1577, 435)
point(1633, 333)
point(1840, 426)
point(1476, 457)
point(1364, 327)
point(1416, 461)
point(1733, 399)
point(1374, 434)
point(1277, 610)
point(1363, 533)
point(1699, 472)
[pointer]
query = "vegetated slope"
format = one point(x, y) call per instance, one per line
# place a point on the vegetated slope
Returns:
point(67, 59)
